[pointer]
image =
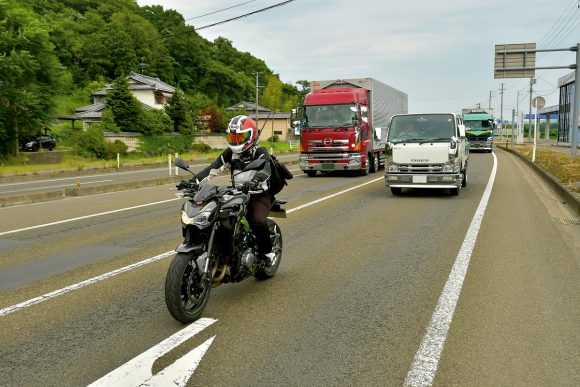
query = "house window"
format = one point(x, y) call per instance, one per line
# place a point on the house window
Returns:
point(159, 98)
point(279, 132)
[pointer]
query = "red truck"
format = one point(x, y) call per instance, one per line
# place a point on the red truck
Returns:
point(341, 122)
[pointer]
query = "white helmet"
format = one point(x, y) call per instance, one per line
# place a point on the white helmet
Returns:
point(241, 133)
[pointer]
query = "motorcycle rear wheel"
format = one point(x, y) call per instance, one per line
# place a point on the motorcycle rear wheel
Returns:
point(185, 295)
point(264, 273)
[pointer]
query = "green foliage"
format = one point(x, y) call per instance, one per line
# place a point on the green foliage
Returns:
point(177, 109)
point(155, 122)
point(29, 74)
point(117, 147)
point(165, 145)
point(55, 54)
point(125, 108)
point(91, 143)
point(107, 123)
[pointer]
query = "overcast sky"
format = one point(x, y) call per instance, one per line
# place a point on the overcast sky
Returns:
point(439, 52)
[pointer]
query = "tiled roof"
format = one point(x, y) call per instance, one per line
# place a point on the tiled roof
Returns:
point(249, 106)
point(141, 82)
point(91, 108)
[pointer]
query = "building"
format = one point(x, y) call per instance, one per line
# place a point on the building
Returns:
point(268, 121)
point(565, 112)
point(151, 92)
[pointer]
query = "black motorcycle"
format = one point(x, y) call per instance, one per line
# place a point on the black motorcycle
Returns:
point(218, 247)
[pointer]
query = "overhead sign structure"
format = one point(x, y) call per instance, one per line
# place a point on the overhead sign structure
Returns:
point(515, 60)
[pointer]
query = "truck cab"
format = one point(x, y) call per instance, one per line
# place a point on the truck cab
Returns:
point(426, 151)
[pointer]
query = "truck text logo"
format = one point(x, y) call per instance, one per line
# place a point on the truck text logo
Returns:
point(327, 141)
point(419, 160)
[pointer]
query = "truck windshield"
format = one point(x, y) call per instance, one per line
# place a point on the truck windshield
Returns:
point(422, 128)
point(477, 125)
point(329, 116)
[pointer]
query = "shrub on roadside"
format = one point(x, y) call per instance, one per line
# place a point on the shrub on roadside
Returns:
point(117, 147)
point(91, 143)
point(163, 145)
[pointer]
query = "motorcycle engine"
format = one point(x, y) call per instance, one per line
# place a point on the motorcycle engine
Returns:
point(248, 258)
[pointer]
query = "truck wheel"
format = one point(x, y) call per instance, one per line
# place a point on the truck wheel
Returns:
point(376, 164)
point(464, 180)
point(367, 169)
point(396, 191)
point(311, 173)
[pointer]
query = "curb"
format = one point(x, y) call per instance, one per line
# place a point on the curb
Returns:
point(572, 199)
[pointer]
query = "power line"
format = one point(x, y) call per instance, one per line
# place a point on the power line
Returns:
point(220, 10)
point(245, 15)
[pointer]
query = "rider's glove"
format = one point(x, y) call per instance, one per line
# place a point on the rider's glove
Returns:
point(186, 184)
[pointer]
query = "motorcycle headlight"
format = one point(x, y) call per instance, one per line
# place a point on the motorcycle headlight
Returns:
point(202, 218)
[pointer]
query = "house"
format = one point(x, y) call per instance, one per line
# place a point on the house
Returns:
point(267, 120)
point(151, 92)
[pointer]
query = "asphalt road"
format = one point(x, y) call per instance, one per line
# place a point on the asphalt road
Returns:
point(362, 275)
point(45, 183)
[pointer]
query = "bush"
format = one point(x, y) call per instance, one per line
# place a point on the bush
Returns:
point(201, 147)
point(155, 122)
point(117, 147)
point(164, 145)
point(91, 143)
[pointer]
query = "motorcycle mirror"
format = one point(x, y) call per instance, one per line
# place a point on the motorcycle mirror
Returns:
point(181, 163)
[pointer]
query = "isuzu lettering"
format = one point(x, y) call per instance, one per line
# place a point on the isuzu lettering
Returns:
point(426, 151)
point(341, 125)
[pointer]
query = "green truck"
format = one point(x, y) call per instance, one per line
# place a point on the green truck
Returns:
point(479, 129)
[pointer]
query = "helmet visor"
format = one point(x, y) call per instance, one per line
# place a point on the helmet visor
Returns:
point(238, 138)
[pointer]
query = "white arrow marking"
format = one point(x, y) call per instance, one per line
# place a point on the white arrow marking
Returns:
point(138, 371)
point(178, 373)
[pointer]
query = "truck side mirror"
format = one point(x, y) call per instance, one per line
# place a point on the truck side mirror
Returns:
point(461, 131)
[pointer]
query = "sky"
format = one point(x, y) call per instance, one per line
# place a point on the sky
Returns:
point(441, 53)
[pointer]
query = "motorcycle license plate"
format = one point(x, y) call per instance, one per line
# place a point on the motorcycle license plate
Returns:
point(419, 179)
point(328, 166)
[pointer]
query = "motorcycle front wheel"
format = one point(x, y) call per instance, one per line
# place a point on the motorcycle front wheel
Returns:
point(276, 237)
point(186, 295)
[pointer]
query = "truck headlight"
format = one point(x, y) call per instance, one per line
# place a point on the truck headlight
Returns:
point(393, 168)
point(489, 138)
point(447, 168)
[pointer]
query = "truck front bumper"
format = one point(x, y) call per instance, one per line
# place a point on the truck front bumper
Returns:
point(353, 162)
point(483, 145)
point(402, 180)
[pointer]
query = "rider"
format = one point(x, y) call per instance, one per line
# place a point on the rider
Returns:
point(242, 138)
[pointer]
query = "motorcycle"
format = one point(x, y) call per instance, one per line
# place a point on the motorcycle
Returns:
point(218, 247)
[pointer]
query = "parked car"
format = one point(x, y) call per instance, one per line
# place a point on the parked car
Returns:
point(43, 141)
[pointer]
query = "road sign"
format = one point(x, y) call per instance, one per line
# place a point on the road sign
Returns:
point(538, 102)
point(515, 60)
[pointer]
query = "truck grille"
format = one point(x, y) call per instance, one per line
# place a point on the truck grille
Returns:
point(328, 145)
point(415, 168)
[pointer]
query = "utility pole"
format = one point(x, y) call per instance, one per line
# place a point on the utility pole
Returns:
point(532, 81)
point(513, 126)
point(257, 74)
point(518, 114)
point(489, 105)
point(501, 112)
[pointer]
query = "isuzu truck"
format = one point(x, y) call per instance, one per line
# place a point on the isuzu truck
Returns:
point(426, 151)
point(341, 123)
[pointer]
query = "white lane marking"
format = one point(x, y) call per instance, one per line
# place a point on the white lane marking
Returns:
point(90, 281)
point(67, 289)
point(424, 367)
point(57, 186)
point(86, 217)
point(138, 371)
point(333, 195)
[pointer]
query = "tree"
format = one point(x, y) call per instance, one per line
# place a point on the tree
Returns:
point(29, 75)
point(127, 111)
point(176, 109)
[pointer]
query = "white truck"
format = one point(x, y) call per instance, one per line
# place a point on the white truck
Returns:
point(426, 151)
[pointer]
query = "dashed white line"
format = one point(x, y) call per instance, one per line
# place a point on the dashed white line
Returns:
point(424, 367)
